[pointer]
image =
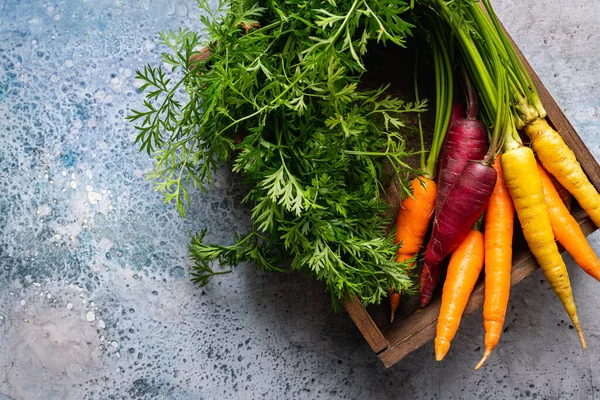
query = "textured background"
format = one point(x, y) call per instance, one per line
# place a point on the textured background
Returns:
point(96, 302)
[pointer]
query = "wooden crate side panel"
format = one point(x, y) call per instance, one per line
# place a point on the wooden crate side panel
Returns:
point(365, 325)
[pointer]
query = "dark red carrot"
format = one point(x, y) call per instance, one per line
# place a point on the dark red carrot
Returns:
point(466, 201)
point(456, 113)
point(465, 140)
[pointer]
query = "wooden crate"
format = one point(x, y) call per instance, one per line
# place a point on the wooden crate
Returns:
point(415, 327)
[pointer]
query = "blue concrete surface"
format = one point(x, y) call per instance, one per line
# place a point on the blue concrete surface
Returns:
point(96, 301)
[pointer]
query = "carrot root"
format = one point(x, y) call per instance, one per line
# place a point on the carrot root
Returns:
point(560, 161)
point(441, 349)
point(411, 225)
point(566, 229)
point(580, 333)
point(525, 187)
point(463, 271)
point(499, 224)
point(464, 204)
point(394, 303)
point(484, 359)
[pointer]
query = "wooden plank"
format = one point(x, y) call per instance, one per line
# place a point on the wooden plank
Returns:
point(419, 327)
point(365, 324)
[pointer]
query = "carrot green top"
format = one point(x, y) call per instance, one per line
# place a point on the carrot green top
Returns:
point(507, 93)
point(444, 84)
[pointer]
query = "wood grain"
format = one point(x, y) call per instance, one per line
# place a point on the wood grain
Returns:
point(365, 325)
point(416, 327)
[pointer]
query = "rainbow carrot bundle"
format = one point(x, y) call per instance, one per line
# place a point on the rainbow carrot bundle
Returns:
point(510, 102)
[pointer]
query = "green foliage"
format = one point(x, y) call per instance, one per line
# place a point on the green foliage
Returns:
point(283, 103)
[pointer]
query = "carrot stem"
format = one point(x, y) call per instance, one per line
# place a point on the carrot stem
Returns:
point(421, 138)
point(444, 83)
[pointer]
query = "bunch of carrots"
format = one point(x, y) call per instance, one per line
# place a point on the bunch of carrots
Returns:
point(483, 179)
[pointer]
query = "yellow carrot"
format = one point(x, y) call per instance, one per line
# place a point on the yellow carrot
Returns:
point(525, 186)
point(560, 161)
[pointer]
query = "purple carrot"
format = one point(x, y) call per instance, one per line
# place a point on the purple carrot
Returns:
point(466, 201)
point(465, 140)
point(458, 112)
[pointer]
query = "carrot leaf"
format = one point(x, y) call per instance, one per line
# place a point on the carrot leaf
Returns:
point(273, 92)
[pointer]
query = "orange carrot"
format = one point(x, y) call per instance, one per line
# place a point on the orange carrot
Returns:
point(464, 268)
point(566, 229)
point(411, 225)
point(564, 194)
point(499, 222)
point(416, 212)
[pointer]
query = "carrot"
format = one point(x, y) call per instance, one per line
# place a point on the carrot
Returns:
point(564, 194)
point(457, 113)
point(499, 222)
point(525, 186)
point(412, 223)
point(464, 269)
point(465, 140)
point(560, 161)
point(465, 185)
point(465, 203)
point(416, 212)
point(566, 229)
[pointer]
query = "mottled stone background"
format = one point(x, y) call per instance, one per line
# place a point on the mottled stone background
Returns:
point(96, 301)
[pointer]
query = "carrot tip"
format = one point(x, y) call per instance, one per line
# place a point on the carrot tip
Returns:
point(394, 303)
point(580, 333)
point(441, 349)
point(485, 357)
